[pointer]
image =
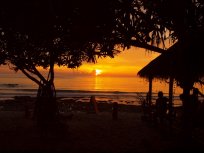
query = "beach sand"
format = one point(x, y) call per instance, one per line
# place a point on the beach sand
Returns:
point(91, 133)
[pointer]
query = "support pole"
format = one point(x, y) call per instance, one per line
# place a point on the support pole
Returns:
point(171, 83)
point(150, 90)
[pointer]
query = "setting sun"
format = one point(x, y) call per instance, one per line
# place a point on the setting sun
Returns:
point(98, 72)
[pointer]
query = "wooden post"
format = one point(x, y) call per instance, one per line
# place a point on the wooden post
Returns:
point(171, 83)
point(150, 90)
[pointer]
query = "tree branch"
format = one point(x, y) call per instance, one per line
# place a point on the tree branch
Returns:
point(38, 74)
point(142, 45)
point(146, 46)
point(30, 77)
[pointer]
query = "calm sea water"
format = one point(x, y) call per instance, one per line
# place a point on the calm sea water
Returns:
point(126, 90)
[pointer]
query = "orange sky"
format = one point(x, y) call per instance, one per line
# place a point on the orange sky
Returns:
point(127, 63)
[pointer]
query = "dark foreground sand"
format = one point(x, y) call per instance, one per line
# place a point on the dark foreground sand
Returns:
point(94, 133)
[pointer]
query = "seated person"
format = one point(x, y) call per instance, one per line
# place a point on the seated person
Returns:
point(161, 106)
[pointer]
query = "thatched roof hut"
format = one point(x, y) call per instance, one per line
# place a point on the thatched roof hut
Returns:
point(185, 66)
point(176, 63)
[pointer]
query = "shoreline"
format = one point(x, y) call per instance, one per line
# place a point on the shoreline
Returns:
point(78, 103)
point(121, 98)
point(65, 104)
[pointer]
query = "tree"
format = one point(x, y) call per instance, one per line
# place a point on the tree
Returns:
point(147, 23)
point(136, 27)
point(45, 33)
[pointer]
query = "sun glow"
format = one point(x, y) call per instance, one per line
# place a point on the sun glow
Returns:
point(98, 72)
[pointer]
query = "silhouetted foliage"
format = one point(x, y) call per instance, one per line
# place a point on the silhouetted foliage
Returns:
point(44, 33)
point(76, 31)
point(185, 20)
point(151, 24)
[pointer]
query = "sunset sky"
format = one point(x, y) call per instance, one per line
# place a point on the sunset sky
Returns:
point(121, 67)
point(125, 64)
point(109, 73)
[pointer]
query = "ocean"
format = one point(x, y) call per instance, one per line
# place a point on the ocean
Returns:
point(124, 90)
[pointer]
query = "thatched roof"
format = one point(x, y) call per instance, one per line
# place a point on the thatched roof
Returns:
point(177, 63)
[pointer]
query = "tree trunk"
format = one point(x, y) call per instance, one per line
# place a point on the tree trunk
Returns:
point(46, 109)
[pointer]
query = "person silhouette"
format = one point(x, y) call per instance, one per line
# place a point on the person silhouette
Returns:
point(161, 106)
point(93, 105)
